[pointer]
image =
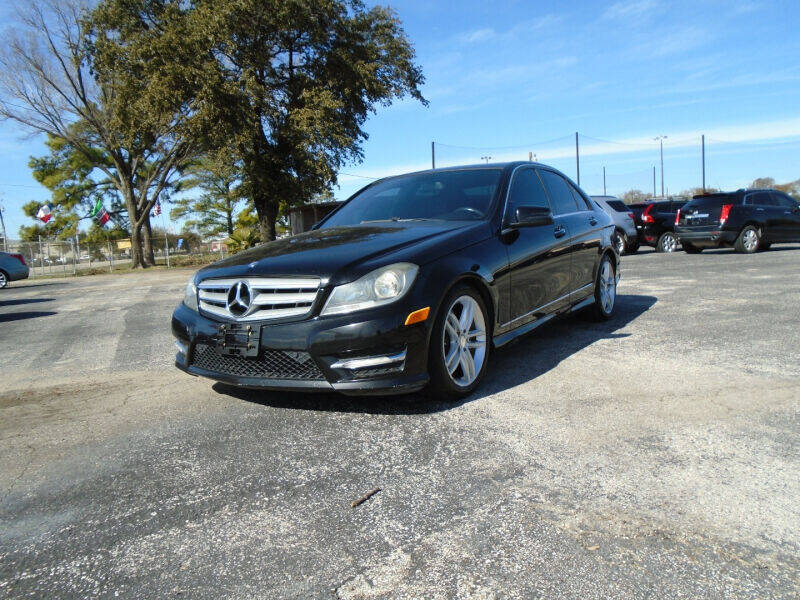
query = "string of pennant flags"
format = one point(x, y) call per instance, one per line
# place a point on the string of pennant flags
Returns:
point(99, 212)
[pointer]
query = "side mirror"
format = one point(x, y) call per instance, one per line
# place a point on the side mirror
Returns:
point(533, 216)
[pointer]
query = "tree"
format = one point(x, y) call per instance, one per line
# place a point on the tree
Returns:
point(293, 83)
point(213, 212)
point(62, 75)
point(75, 186)
point(633, 196)
point(792, 188)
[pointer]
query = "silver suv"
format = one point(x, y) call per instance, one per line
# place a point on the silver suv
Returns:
point(12, 268)
point(627, 239)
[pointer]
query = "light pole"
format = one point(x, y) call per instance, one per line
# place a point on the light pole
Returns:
point(660, 139)
point(3, 227)
point(486, 158)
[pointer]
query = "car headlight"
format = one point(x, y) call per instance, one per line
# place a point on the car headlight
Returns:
point(190, 296)
point(379, 287)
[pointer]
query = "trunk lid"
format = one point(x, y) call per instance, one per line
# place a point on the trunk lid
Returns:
point(705, 211)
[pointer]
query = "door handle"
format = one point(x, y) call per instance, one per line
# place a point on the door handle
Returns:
point(592, 221)
point(559, 231)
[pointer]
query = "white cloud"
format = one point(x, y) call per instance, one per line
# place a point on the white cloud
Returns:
point(478, 35)
point(766, 131)
point(631, 9)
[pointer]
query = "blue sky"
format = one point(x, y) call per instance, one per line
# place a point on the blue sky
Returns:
point(507, 78)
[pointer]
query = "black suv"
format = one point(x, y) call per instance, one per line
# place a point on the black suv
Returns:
point(748, 220)
point(655, 223)
point(412, 281)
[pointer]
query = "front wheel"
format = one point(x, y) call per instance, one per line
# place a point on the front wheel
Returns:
point(748, 241)
point(459, 346)
point(667, 242)
point(3, 280)
point(605, 290)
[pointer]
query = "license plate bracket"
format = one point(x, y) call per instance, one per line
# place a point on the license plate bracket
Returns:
point(237, 339)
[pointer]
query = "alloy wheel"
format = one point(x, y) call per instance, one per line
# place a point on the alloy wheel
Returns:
point(750, 240)
point(3, 280)
point(464, 340)
point(608, 286)
point(669, 243)
point(620, 244)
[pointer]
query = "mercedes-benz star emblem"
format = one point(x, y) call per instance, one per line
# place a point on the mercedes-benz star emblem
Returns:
point(239, 298)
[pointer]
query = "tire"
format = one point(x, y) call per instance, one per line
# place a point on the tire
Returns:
point(689, 249)
point(605, 283)
point(621, 242)
point(748, 241)
point(667, 242)
point(457, 381)
point(3, 280)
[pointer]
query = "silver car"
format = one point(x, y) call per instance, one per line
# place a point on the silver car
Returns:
point(12, 268)
point(627, 238)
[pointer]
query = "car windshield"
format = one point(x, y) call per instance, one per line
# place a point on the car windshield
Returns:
point(457, 195)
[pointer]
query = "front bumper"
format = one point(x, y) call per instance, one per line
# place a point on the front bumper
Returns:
point(369, 352)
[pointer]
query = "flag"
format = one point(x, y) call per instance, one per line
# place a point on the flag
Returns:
point(44, 213)
point(157, 209)
point(103, 216)
point(97, 207)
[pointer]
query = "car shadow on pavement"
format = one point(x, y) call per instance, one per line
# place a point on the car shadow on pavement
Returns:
point(521, 361)
point(16, 301)
point(21, 316)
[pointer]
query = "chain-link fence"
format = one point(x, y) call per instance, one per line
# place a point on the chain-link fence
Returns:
point(52, 258)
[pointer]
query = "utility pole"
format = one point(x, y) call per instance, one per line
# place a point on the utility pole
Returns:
point(703, 148)
point(660, 139)
point(577, 159)
point(604, 181)
point(433, 155)
point(654, 181)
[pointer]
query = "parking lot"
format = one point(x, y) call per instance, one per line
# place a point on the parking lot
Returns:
point(657, 454)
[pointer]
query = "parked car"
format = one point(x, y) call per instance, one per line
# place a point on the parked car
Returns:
point(627, 240)
point(411, 282)
point(12, 268)
point(748, 220)
point(655, 222)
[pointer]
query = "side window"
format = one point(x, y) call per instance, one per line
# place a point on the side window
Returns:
point(560, 195)
point(526, 190)
point(784, 201)
point(760, 199)
point(581, 200)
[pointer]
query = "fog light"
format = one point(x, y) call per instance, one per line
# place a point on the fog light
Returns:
point(182, 347)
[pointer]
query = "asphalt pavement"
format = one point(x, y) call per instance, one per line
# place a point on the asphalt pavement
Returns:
point(655, 455)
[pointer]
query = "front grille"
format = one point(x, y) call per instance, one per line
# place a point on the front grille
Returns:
point(271, 364)
point(266, 297)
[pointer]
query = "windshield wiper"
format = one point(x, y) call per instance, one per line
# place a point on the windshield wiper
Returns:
point(396, 220)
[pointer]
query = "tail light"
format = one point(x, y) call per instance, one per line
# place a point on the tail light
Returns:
point(678, 216)
point(725, 213)
point(646, 216)
point(632, 216)
point(20, 258)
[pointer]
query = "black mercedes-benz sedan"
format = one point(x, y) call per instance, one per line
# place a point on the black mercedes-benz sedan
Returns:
point(410, 283)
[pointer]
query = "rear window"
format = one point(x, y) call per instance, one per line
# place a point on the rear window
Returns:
point(712, 201)
point(618, 205)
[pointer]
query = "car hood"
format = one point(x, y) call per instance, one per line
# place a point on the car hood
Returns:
point(340, 252)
